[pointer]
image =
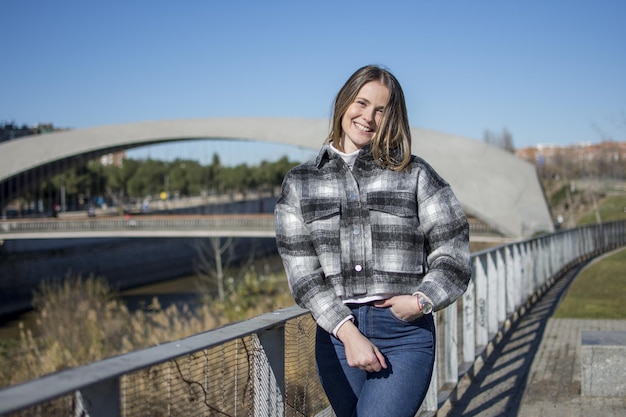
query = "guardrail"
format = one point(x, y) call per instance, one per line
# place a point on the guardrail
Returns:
point(237, 225)
point(242, 225)
point(265, 366)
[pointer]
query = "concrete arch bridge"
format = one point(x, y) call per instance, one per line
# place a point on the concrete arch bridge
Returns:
point(494, 186)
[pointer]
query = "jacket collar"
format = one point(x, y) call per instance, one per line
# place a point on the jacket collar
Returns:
point(326, 154)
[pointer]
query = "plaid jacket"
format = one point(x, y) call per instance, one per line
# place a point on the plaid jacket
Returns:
point(369, 231)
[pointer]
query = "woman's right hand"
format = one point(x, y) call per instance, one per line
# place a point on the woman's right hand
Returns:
point(360, 351)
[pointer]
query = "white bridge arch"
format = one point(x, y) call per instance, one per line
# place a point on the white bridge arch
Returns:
point(494, 186)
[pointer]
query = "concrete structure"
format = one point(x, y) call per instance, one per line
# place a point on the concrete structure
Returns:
point(493, 185)
point(603, 363)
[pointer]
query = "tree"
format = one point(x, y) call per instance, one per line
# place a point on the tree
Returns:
point(503, 140)
point(211, 264)
point(79, 184)
point(185, 177)
point(213, 260)
point(280, 168)
point(236, 179)
point(118, 178)
point(150, 178)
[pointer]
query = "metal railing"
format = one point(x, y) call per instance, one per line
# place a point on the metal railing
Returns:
point(241, 225)
point(265, 366)
point(235, 225)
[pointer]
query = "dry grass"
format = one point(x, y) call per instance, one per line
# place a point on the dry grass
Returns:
point(83, 320)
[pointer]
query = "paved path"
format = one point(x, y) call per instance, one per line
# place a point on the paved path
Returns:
point(535, 371)
point(554, 383)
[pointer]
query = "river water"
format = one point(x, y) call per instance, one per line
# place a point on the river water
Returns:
point(177, 290)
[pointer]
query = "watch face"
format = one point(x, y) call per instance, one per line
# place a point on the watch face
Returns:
point(427, 308)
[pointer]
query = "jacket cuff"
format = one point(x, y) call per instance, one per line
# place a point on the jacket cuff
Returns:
point(336, 329)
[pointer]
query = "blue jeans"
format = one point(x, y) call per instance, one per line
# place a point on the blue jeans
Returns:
point(399, 390)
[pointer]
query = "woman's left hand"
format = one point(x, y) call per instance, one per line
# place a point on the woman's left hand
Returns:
point(404, 307)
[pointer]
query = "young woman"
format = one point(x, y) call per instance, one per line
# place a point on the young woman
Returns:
point(373, 241)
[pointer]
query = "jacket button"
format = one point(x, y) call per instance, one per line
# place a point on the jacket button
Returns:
point(358, 268)
point(356, 231)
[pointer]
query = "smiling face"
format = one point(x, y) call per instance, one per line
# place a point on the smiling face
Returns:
point(362, 117)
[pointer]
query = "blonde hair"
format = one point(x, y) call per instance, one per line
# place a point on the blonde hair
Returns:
point(391, 144)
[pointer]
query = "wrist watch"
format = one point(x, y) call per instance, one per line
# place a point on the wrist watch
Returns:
point(426, 307)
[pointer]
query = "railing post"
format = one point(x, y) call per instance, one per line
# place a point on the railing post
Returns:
point(269, 373)
point(517, 275)
point(511, 287)
point(543, 259)
point(552, 261)
point(527, 271)
point(536, 265)
point(101, 399)
point(450, 345)
point(480, 278)
point(469, 325)
point(547, 266)
point(493, 284)
point(430, 403)
point(501, 277)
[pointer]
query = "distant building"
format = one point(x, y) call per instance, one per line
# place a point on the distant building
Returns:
point(114, 159)
point(583, 151)
point(603, 158)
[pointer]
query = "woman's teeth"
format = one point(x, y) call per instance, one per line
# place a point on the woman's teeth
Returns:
point(363, 128)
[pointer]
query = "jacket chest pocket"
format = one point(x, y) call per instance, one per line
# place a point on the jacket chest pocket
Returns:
point(322, 218)
point(397, 240)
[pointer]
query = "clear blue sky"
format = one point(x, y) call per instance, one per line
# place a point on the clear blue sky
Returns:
point(548, 71)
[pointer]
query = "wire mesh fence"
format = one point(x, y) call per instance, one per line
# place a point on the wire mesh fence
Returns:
point(231, 379)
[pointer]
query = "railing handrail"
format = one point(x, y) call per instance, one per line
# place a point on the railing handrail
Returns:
point(67, 381)
point(164, 225)
point(505, 278)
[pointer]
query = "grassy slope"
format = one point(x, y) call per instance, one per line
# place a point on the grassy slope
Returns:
point(612, 208)
point(600, 289)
